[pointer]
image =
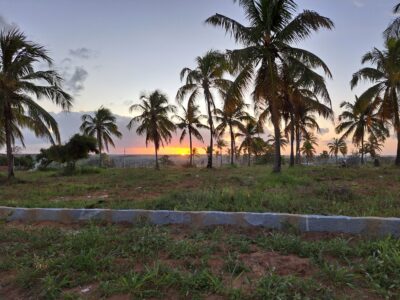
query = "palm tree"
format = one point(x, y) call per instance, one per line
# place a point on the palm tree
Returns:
point(393, 29)
point(373, 146)
point(308, 150)
point(154, 120)
point(189, 123)
point(385, 77)
point(230, 119)
point(358, 119)
point(20, 81)
point(206, 78)
point(282, 141)
point(336, 146)
point(267, 45)
point(248, 132)
point(102, 126)
point(221, 144)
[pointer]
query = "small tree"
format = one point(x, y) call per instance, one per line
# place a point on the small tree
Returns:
point(78, 147)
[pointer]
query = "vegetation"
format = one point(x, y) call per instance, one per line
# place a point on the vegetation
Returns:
point(102, 126)
point(190, 123)
point(20, 84)
point(336, 146)
point(331, 190)
point(78, 147)
point(154, 121)
point(46, 261)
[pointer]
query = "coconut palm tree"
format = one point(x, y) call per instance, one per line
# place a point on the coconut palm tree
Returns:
point(102, 126)
point(20, 84)
point(358, 119)
point(336, 146)
point(267, 42)
point(308, 150)
point(385, 77)
point(220, 145)
point(373, 146)
point(393, 29)
point(153, 120)
point(190, 123)
point(204, 79)
point(230, 119)
point(248, 132)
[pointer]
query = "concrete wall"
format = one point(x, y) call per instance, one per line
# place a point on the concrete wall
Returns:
point(305, 223)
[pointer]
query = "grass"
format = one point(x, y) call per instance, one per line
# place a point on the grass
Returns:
point(94, 261)
point(365, 191)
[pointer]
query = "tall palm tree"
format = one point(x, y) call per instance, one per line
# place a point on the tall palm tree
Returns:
point(385, 77)
point(358, 119)
point(20, 84)
point(153, 120)
point(248, 133)
point(230, 119)
point(336, 146)
point(267, 44)
point(102, 126)
point(204, 79)
point(190, 123)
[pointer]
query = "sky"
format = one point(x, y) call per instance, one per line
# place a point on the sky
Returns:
point(110, 51)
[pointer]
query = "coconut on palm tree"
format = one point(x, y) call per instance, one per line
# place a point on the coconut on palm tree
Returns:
point(385, 79)
point(102, 125)
point(205, 79)
point(153, 120)
point(21, 83)
point(190, 123)
point(267, 41)
point(336, 146)
point(360, 118)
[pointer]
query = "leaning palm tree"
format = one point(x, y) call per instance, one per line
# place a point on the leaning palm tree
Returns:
point(153, 120)
point(204, 79)
point(248, 132)
point(336, 146)
point(190, 123)
point(359, 119)
point(20, 84)
point(267, 44)
point(102, 126)
point(385, 77)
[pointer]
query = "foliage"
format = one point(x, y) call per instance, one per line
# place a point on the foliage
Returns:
point(78, 147)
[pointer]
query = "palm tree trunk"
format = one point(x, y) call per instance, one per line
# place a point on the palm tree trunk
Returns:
point(277, 158)
point(157, 165)
point(191, 147)
point(298, 158)
point(210, 123)
point(99, 142)
point(362, 150)
point(292, 142)
point(397, 162)
point(8, 133)
point(232, 144)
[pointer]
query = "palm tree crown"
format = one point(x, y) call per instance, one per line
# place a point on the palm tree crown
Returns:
point(20, 85)
point(153, 119)
point(102, 126)
point(336, 146)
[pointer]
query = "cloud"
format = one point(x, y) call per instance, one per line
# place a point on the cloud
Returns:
point(76, 80)
point(4, 24)
point(82, 53)
point(358, 3)
point(324, 131)
point(127, 102)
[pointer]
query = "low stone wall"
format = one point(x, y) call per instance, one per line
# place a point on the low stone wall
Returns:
point(305, 223)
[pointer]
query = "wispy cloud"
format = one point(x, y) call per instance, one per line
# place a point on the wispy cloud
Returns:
point(82, 53)
point(5, 25)
point(76, 80)
point(359, 3)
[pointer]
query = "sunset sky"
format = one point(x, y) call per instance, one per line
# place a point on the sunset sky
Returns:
point(110, 51)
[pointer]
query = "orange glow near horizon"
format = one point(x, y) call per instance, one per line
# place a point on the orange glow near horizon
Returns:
point(168, 150)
